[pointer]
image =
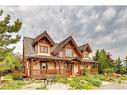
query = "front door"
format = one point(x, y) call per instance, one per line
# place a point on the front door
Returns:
point(68, 67)
point(43, 67)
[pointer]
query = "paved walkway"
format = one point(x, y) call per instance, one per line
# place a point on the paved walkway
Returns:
point(55, 86)
point(111, 86)
point(58, 86)
point(61, 86)
point(32, 86)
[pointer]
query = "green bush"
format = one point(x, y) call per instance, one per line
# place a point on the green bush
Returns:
point(124, 78)
point(93, 79)
point(17, 76)
point(8, 76)
point(98, 76)
point(14, 84)
point(122, 71)
point(95, 82)
point(109, 70)
point(76, 83)
point(85, 71)
point(61, 79)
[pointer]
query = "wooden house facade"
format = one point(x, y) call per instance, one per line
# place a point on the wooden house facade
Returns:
point(41, 55)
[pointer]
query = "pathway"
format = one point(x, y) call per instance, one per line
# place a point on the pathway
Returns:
point(111, 86)
point(58, 86)
point(55, 86)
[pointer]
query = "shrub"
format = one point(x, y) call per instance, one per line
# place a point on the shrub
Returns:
point(17, 76)
point(122, 71)
point(95, 82)
point(109, 70)
point(8, 76)
point(61, 79)
point(76, 83)
point(99, 76)
point(11, 84)
point(93, 79)
point(85, 71)
point(124, 78)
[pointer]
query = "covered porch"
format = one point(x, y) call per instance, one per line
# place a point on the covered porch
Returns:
point(45, 66)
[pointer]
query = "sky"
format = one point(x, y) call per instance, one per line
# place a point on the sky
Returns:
point(100, 26)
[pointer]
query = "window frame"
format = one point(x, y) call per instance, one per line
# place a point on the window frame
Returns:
point(66, 54)
point(86, 54)
point(43, 51)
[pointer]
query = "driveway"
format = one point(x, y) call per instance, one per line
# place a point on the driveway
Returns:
point(112, 86)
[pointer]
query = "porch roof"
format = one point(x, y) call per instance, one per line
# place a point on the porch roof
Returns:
point(45, 57)
point(59, 58)
point(89, 60)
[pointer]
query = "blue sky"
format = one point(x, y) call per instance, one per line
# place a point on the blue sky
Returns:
point(100, 26)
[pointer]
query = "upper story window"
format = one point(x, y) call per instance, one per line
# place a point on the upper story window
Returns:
point(68, 52)
point(60, 54)
point(85, 54)
point(43, 49)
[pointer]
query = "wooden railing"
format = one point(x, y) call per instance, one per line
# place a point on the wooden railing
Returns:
point(65, 72)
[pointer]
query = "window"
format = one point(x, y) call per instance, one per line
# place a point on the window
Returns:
point(68, 52)
point(85, 54)
point(60, 54)
point(43, 65)
point(43, 49)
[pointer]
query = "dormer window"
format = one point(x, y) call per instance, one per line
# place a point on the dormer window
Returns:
point(43, 49)
point(85, 54)
point(68, 52)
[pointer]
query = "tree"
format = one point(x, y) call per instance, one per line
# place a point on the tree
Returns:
point(95, 58)
point(126, 64)
point(104, 60)
point(117, 65)
point(8, 35)
point(110, 60)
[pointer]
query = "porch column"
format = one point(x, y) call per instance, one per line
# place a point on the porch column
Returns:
point(31, 66)
point(79, 67)
point(59, 66)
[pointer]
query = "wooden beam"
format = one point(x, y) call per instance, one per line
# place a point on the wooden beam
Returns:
point(78, 66)
point(31, 66)
point(59, 67)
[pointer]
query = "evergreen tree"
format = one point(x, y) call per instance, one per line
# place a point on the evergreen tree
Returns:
point(104, 60)
point(110, 60)
point(125, 64)
point(95, 58)
point(118, 65)
point(6, 39)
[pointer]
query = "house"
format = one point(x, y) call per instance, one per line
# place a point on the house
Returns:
point(41, 55)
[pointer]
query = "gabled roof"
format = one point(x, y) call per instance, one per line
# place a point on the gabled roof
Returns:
point(44, 34)
point(28, 49)
point(63, 43)
point(85, 46)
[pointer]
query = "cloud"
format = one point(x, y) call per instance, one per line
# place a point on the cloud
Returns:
point(109, 13)
point(101, 26)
